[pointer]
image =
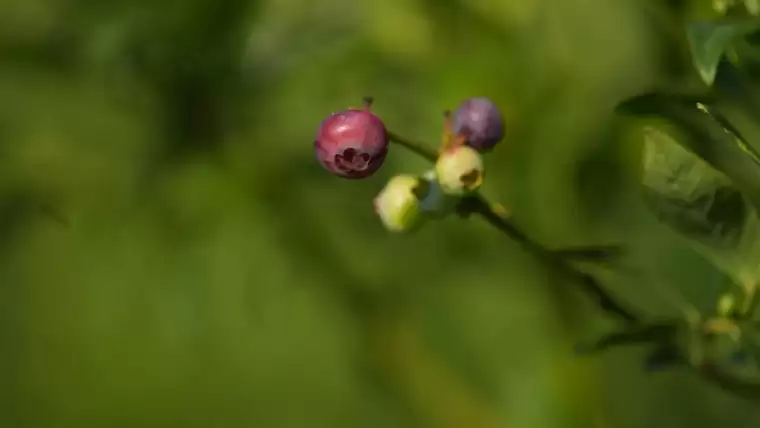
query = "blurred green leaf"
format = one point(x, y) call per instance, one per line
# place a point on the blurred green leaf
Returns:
point(663, 358)
point(703, 136)
point(710, 41)
point(591, 253)
point(737, 97)
point(753, 6)
point(214, 275)
point(689, 195)
point(703, 204)
point(701, 181)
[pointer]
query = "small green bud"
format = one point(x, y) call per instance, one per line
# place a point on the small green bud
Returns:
point(721, 6)
point(398, 204)
point(459, 170)
point(753, 7)
point(726, 305)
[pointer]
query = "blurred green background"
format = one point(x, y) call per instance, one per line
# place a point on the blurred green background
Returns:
point(208, 272)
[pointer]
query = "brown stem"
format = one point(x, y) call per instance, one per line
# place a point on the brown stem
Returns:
point(478, 204)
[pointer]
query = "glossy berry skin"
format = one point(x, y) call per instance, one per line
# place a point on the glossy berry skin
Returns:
point(480, 122)
point(459, 170)
point(352, 143)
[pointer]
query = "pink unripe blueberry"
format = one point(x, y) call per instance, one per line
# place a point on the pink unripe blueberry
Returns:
point(352, 143)
point(480, 122)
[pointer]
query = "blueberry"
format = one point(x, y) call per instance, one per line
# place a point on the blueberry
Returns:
point(459, 170)
point(352, 143)
point(398, 204)
point(480, 122)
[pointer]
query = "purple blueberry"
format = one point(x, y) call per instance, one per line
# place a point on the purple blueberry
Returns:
point(480, 122)
point(352, 143)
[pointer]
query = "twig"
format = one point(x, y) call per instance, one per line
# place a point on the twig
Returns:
point(478, 204)
point(661, 333)
point(745, 388)
point(419, 148)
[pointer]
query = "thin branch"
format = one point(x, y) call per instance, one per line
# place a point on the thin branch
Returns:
point(419, 148)
point(608, 303)
point(478, 204)
point(661, 332)
point(746, 388)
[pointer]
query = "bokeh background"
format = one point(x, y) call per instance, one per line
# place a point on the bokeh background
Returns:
point(174, 256)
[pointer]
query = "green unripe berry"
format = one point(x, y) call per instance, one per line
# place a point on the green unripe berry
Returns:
point(726, 305)
point(398, 204)
point(459, 170)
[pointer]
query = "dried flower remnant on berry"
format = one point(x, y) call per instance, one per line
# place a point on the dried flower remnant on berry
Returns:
point(459, 170)
point(352, 143)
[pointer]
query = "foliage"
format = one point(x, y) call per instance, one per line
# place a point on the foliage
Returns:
point(201, 270)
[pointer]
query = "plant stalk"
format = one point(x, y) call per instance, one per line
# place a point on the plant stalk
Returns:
point(478, 204)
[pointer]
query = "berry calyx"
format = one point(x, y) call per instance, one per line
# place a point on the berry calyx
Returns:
point(352, 143)
point(449, 139)
point(398, 204)
point(434, 202)
point(459, 170)
point(480, 123)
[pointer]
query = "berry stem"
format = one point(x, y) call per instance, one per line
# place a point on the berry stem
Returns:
point(368, 101)
point(447, 133)
point(417, 147)
point(496, 217)
point(478, 204)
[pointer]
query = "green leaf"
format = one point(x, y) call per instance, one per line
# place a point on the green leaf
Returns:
point(735, 105)
point(701, 203)
point(592, 253)
point(663, 358)
point(702, 135)
point(711, 40)
point(753, 6)
point(689, 195)
point(753, 38)
point(657, 333)
point(701, 181)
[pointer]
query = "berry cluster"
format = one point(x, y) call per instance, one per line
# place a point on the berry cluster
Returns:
point(353, 144)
